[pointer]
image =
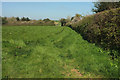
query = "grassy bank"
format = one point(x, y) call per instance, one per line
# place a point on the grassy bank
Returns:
point(51, 52)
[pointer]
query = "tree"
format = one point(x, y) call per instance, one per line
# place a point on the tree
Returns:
point(23, 19)
point(72, 18)
point(4, 20)
point(63, 21)
point(47, 20)
point(78, 15)
point(17, 18)
point(27, 19)
point(101, 6)
point(76, 18)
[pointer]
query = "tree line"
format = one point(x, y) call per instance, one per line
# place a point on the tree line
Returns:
point(26, 21)
point(22, 19)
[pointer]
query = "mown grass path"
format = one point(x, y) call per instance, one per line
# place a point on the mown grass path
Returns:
point(52, 52)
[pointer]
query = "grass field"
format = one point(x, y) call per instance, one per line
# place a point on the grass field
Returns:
point(52, 52)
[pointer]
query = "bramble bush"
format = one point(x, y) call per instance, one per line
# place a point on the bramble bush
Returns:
point(102, 28)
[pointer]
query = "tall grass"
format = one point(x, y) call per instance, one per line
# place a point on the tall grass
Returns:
point(52, 52)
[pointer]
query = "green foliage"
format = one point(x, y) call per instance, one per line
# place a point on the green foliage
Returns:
point(101, 28)
point(101, 6)
point(78, 15)
point(4, 21)
point(49, 51)
point(63, 21)
point(25, 19)
point(46, 20)
point(72, 18)
point(17, 18)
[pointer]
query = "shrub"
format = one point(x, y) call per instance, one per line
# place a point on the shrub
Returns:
point(102, 28)
point(17, 18)
point(47, 20)
point(4, 21)
point(63, 21)
point(101, 6)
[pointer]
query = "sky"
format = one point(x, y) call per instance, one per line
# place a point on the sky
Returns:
point(42, 10)
point(59, 0)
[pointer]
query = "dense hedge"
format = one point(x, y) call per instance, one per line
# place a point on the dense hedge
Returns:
point(102, 28)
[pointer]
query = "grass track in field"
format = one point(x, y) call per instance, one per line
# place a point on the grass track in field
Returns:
point(51, 52)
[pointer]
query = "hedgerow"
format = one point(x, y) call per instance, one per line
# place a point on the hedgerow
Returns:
point(102, 28)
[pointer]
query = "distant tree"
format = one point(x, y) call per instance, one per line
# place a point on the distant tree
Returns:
point(72, 18)
point(63, 21)
point(23, 19)
point(4, 20)
point(47, 20)
point(4, 17)
point(101, 6)
point(76, 18)
point(17, 18)
point(77, 15)
point(27, 19)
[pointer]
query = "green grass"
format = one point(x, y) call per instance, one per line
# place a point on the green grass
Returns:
point(52, 52)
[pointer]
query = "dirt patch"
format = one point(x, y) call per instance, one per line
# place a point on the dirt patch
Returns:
point(75, 73)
